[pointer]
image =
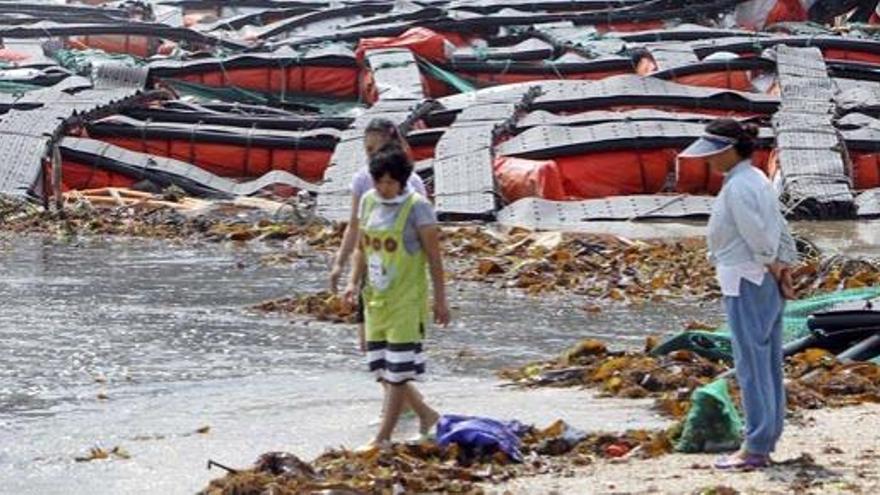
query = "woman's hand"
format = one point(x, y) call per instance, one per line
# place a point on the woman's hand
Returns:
point(776, 268)
point(786, 285)
point(441, 312)
point(335, 275)
point(348, 297)
point(782, 273)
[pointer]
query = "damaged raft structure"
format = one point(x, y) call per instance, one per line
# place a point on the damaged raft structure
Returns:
point(546, 114)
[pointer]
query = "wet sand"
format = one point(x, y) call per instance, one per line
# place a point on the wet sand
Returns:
point(166, 331)
point(302, 414)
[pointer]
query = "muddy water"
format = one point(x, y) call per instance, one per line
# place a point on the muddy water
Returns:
point(161, 331)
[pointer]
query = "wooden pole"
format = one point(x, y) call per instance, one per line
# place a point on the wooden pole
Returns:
point(56, 180)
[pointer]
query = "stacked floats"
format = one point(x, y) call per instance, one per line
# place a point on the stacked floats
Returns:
point(534, 113)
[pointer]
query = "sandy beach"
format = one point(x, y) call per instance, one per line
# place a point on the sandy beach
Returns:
point(821, 452)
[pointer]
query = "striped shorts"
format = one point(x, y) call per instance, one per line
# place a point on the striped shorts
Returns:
point(396, 363)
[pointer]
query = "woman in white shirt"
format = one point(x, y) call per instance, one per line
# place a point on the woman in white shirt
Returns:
point(378, 133)
point(751, 248)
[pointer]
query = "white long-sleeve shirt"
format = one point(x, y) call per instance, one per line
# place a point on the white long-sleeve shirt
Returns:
point(746, 230)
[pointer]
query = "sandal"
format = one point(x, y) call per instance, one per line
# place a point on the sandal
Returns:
point(383, 446)
point(429, 437)
point(736, 463)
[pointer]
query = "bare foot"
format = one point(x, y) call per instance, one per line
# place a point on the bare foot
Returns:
point(426, 424)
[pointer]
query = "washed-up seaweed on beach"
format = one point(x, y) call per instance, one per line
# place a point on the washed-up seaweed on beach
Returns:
point(595, 270)
point(184, 219)
point(611, 268)
point(815, 377)
point(323, 306)
point(429, 468)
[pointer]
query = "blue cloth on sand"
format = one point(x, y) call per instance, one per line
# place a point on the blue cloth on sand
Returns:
point(481, 435)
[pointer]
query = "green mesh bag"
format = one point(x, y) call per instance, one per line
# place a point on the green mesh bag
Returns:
point(713, 424)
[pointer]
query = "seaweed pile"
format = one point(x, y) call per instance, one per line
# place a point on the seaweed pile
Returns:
point(602, 267)
point(429, 468)
point(174, 218)
point(815, 377)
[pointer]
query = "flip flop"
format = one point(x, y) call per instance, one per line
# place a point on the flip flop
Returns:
point(747, 463)
point(371, 446)
point(421, 438)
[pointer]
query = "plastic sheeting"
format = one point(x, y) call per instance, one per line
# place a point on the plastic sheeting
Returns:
point(78, 176)
point(321, 80)
point(422, 41)
point(616, 173)
point(518, 178)
point(866, 170)
point(231, 160)
point(480, 436)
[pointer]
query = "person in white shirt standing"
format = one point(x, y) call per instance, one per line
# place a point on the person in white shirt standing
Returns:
point(751, 248)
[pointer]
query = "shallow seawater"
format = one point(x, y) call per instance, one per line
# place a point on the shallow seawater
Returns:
point(163, 331)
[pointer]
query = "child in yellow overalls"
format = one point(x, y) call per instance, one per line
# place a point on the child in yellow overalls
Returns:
point(398, 242)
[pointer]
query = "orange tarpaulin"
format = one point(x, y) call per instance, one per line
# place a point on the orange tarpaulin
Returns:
point(866, 170)
point(136, 45)
point(492, 78)
point(331, 81)
point(78, 176)
point(233, 160)
point(519, 178)
point(755, 15)
point(421, 41)
point(615, 173)
point(851, 56)
point(738, 80)
point(629, 27)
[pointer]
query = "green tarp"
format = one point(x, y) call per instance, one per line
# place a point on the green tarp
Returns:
point(716, 344)
point(327, 106)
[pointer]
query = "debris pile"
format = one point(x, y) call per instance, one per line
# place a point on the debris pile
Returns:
point(429, 468)
point(815, 377)
point(100, 454)
point(165, 216)
point(610, 268)
point(669, 379)
point(819, 380)
point(323, 306)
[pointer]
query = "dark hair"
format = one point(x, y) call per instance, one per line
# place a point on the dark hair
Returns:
point(745, 134)
point(384, 126)
point(391, 159)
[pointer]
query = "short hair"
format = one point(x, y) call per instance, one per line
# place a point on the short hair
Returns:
point(391, 159)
